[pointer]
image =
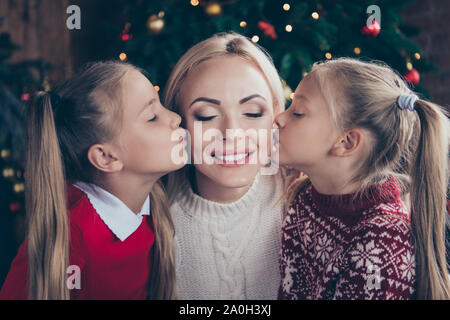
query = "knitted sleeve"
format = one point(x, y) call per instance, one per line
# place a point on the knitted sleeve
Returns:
point(380, 261)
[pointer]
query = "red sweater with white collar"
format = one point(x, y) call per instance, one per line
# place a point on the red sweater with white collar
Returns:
point(335, 247)
point(110, 268)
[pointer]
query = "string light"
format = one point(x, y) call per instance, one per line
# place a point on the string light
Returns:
point(122, 56)
point(315, 15)
point(157, 88)
point(357, 50)
point(243, 24)
point(417, 56)
point(5, 153)
point(194, 3)
point(409, 65)
point(328, 55)
point(19, 187)
point(291, 96)
point(255, 39)
point(8, 172)
point(288, 28)
point(286, 7)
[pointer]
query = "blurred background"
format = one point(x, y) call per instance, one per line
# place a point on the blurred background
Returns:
point(43, 42)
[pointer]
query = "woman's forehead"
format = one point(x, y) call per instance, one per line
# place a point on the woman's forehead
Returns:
point(224, 76)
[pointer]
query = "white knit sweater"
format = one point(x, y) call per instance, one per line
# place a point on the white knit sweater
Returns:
point(229, 251)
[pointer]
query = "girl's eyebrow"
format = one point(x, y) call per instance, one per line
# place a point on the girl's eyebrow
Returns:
point(146, 105)
point(301, 96)
point(217, 102)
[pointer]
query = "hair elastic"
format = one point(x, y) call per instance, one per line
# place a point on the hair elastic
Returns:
point(407, 101)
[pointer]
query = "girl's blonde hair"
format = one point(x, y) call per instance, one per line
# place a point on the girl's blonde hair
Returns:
point(219, 45)
point(411, 146)
point(61, 126)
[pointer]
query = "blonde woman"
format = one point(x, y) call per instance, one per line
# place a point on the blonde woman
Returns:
point(225, 209)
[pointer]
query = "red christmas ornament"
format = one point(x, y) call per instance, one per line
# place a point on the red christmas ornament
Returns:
point(268, 29)
point(373, 30)
point(412, 76)
point(125, 32)
point(25, 97)
point(126, 37)
point(14, 207)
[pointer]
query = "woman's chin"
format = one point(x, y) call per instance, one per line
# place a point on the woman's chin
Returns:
point(232, 176)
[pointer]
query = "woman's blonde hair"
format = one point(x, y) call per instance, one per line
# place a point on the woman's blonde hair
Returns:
point(61, 126)
point(219, 45)
point(411, 146)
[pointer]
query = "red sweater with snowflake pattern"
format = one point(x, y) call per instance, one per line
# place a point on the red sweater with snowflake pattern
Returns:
point(336, 247)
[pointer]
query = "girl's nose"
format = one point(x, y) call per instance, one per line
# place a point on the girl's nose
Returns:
point(280, 121)
point(175, 120)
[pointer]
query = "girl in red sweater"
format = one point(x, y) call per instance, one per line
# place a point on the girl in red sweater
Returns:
point(364, 139)
point(98, 222)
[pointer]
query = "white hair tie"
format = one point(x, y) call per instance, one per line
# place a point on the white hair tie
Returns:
point(407, 101)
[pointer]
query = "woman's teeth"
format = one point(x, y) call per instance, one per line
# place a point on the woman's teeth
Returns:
point(235, 157)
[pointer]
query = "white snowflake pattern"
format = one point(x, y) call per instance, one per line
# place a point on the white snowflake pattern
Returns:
point(408, 265)
point(366, 255)
point(324, 247)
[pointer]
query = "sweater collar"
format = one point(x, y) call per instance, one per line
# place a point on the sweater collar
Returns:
point(196, 205)
point(351, 204)
point(120, 219)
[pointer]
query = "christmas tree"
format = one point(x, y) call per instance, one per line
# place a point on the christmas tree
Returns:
point(155, 34)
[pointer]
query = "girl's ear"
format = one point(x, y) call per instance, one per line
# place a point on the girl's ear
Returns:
point(348, 143)
point(105, 158)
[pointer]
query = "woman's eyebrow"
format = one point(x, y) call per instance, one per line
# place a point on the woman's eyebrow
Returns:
point(213, 101)
point(244, 100)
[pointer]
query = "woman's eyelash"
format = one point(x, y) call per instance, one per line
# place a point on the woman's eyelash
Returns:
point(152, 119)
point(297, 114)
point(254, 115)
point(200, 118)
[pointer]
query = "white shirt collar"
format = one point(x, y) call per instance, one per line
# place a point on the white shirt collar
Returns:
point(114, 213)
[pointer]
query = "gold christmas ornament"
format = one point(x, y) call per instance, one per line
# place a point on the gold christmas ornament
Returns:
point(156, 23)
point(213, 9)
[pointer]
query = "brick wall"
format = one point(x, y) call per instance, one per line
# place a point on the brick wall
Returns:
point(432, 17)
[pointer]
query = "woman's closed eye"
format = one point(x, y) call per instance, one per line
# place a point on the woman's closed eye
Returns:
point(254, 115)
point(152, 119)
point(297, 114)
point(203, 118)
